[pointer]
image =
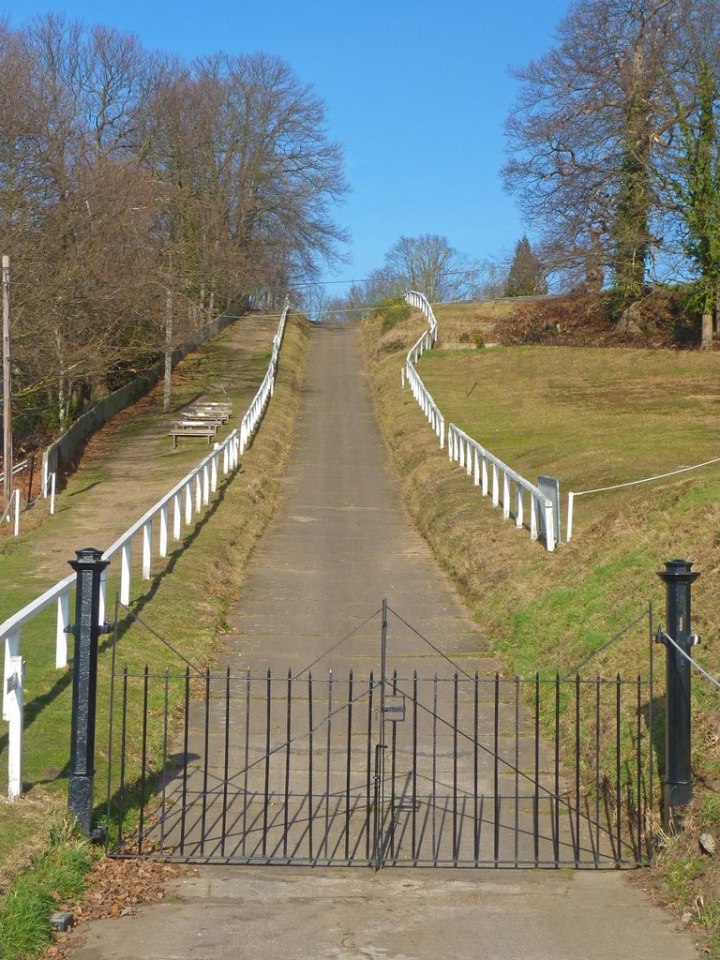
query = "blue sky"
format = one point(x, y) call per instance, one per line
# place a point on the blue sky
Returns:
point(416, 92)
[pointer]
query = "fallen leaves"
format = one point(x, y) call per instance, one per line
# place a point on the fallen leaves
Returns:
point(116, 888)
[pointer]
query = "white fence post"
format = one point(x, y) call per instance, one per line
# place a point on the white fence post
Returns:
point(164, 517)
point(214, 471)
point(12, 650)
point(519, 513)
point(102, 597)
point(147, 550)
point(206, 484)
point(571, 507)
point(188, 503)
point(549, 527)
point(14, 691)
point(61, 627)
point(177, 515)
point(125, 558)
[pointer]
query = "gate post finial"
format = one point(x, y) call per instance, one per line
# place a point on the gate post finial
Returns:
point(678, 578)
point(88, 566)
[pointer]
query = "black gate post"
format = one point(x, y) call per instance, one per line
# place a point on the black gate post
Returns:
point(88, 566)
point(677, 793)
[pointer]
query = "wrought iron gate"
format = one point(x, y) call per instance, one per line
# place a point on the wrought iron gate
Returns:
point(384, 770)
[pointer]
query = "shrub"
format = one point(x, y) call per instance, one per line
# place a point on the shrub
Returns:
point(391, 310)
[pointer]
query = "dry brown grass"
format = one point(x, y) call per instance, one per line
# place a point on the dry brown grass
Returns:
point(546, 611)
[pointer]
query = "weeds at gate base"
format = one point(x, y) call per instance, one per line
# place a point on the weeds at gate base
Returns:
point(55, 880)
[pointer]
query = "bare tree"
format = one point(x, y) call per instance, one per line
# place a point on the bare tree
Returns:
point(139, 195)
point(585, 134)
point(428, 263)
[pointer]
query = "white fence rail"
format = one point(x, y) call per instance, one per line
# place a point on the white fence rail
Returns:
point(506, 487)
point(162, 523)
point(254, 414)
point(630, 483)
point(418, 388)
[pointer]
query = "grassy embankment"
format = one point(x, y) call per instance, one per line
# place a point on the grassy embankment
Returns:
point(591, 417)
point(188, 607)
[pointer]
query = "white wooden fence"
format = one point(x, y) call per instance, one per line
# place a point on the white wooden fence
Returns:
point(418, 388)
point(257, 407)
point(161, 523)
point(506, 487)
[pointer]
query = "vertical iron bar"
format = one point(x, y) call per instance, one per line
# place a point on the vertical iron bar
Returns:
point(163, 805)
point(618, 769)
point(577, 769)
point(377, 819)
point(266, 784)
point(476, 772)
point(186, 739)
point(455, 770)
point(556, 825)
point(638, 794)
point(368, 804)
point(536, 799)
point(310, 768)
point(112, 711)
point(496, 771)
point(383, 681)
point(206, 764)
point(651, 765)
point(348, 768)
point(597, 769)
point(143, 761)
point(123, 744)
point(288, 738)
point(226, 765)
point(415, 852)
point(434, 768)
point(392, 776)
point(327, 763)
point(246, 769)
point(517, 770)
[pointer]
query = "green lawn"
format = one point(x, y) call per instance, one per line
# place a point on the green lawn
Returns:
point(591, 417)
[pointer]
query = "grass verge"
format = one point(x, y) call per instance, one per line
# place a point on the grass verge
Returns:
point(591, 417)
point(54, 880)
point(188, 607)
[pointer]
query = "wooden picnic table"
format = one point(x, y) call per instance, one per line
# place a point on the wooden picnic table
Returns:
point(194, 428)
point(208, 411)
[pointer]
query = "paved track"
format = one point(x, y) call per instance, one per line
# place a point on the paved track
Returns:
point(340, 543)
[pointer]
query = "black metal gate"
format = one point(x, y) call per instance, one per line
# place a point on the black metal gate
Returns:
point(453, 770)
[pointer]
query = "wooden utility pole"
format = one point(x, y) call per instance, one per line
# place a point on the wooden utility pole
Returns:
point(167, 384)
point(7, 391)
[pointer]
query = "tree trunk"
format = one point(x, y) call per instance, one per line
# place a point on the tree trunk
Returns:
point(707, 331)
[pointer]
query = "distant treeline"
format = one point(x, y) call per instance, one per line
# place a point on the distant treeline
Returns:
point(141, 195)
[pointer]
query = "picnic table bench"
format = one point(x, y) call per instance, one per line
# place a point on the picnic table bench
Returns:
point(194, 428)
point(208, 411)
